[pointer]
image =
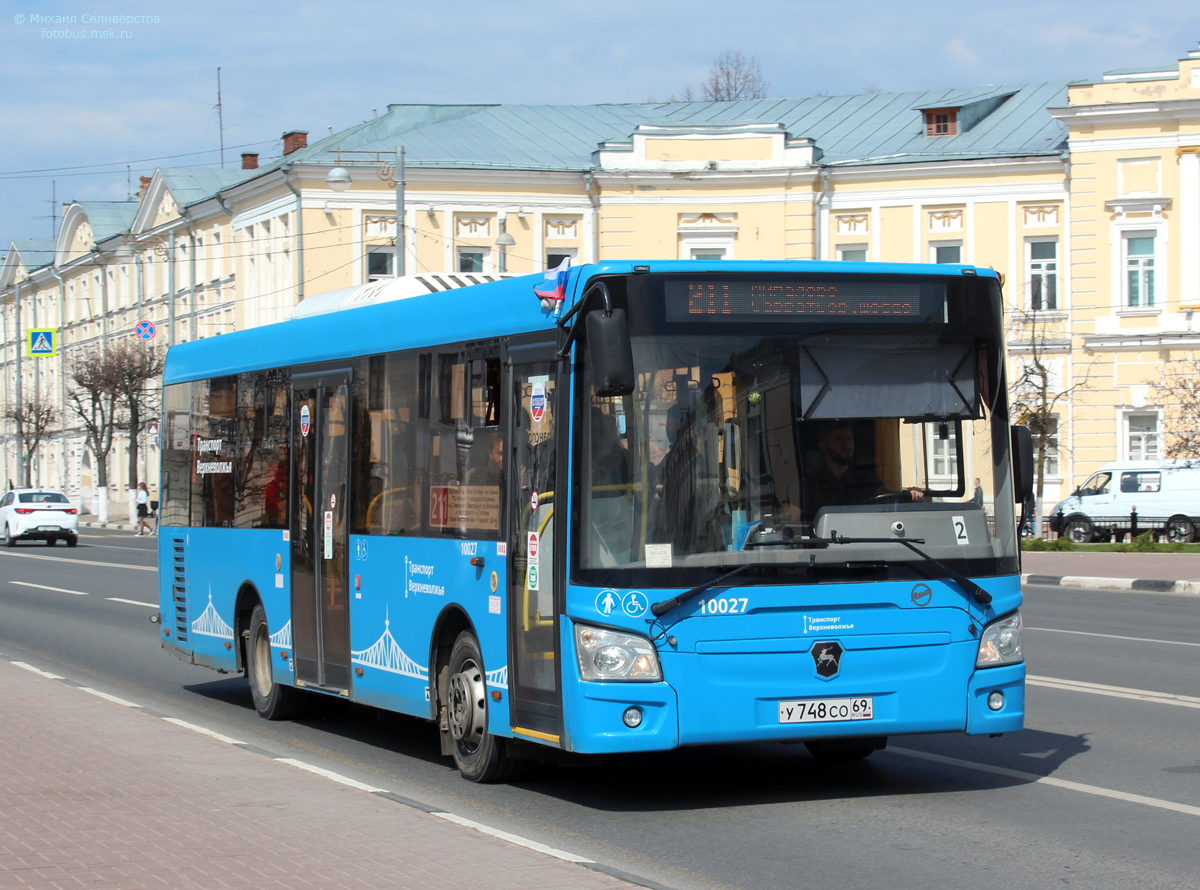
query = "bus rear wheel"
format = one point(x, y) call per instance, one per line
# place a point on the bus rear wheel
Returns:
point(272, 700)
point(479, 755)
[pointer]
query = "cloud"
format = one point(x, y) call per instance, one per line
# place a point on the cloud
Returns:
point(960, 51)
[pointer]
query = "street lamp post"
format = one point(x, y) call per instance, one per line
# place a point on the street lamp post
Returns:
point(503, 242)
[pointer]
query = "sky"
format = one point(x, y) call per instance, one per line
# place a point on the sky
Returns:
point(147, 96)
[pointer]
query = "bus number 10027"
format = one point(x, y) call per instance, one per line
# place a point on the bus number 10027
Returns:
point(732, 605)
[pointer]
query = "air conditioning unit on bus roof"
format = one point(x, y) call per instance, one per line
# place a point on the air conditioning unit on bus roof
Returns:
point(387, 289)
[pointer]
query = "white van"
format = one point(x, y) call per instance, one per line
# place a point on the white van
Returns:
point(1165, 495)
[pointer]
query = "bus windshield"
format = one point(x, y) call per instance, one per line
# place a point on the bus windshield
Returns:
point(772, 416)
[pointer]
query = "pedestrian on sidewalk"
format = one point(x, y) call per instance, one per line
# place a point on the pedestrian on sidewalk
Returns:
point(143, 510)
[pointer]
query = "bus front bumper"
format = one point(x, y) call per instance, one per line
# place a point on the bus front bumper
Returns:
point(736, 698)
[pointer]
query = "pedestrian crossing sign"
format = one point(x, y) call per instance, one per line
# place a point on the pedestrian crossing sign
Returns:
point(41, 342)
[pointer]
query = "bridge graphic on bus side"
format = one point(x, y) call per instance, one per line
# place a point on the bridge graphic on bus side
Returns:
point(386, 654)
point(210, 624)
point(283, 637)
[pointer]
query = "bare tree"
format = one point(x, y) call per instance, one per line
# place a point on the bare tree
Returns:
point(1179, 394)
point(32, 416)
point(733, 76)
point(132, 364)
point(95, 400)
point(1038, 390)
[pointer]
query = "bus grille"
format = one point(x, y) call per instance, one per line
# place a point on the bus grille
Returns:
point(179, 589)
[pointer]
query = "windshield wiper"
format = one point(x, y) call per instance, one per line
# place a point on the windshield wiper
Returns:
point(981, 595)
point(665, 606)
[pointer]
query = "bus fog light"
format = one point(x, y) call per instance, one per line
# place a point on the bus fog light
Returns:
point(996, 700)
point(613, 655)
point(632, 717)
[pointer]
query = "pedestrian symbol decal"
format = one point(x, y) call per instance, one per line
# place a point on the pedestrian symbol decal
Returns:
point(606, 602)
point(145, 330)
point(41, 342)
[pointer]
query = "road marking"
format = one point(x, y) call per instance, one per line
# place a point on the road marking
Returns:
point(1048, 780)
point(1162, 698)
point(117, 599)
point(81, 562)
point(44, 587)
point(107, 697)
point(513, 838)
point(1084, 633)
point(203, 731)
point(329, 774)
point(38, 671)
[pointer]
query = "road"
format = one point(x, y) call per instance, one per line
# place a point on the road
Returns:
point(1101, 790)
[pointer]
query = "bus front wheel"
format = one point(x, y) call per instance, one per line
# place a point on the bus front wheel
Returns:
point(479, 755)
point(272, 700)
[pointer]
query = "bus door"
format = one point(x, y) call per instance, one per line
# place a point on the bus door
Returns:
point(533, 598)
point(320, 455)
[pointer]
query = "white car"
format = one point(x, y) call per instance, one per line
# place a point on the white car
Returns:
point(39, 514)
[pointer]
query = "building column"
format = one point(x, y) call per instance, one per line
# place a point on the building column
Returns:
point(1189, 224)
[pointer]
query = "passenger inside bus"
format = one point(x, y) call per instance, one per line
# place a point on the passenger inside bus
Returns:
point(490, 470)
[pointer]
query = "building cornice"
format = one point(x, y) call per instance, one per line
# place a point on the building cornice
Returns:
point(1135, 342)
point(1162, 111)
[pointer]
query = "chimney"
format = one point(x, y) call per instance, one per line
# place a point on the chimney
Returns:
point(294, 140)
point(250, 160)
point(145, 184)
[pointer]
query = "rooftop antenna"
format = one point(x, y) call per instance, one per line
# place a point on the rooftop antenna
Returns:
point(53, 202)
point(128, 183)
point(220, 117)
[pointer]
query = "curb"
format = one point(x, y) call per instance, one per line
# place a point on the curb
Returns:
point(1145, 585)
point(119, 526)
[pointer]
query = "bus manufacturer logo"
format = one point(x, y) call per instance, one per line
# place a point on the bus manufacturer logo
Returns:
point(922, 594)
point(828, 657)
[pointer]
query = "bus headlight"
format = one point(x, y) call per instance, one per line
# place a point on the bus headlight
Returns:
point(611, 655)
point(1001, 642)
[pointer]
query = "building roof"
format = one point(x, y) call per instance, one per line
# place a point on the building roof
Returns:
point(858, 129)
point(34, 252)
point(108, 218)
point(191, 185)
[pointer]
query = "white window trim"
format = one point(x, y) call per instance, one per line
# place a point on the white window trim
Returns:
point(707, 241)
point(1118, 232)
point(470, 248)
point(934, 245)
point(1028, 277)
point(1123, 440)
point(572, 252)
point(840, 248)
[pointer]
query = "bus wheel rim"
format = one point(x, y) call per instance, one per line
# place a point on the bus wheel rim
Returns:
point(466, 706)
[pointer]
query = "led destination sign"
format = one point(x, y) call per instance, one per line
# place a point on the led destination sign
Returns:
point(729, 300)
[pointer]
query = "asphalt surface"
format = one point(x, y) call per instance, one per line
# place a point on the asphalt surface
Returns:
point(1101, 790)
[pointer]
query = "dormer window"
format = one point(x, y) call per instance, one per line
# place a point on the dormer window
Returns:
point(941, 121)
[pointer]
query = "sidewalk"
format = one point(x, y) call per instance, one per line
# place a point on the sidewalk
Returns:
point(1161, 572)
point(95, 794)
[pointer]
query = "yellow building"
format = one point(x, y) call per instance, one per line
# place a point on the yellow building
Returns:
point(1086, 196)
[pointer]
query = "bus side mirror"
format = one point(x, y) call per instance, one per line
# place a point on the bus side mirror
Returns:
point(1022, 458)
point(610, 353)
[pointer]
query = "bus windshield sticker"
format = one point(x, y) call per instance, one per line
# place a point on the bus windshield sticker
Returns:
point(329, 534)
point(960, 530)
point(658, 556)
point(305, 417)
point(501, 548)
point(533, 576)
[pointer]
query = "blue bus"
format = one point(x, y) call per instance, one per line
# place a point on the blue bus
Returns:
point(690, 502)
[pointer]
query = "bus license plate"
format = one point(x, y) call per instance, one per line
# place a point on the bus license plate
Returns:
point(826, 710)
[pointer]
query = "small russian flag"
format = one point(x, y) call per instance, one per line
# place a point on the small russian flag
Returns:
point(554, 289)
